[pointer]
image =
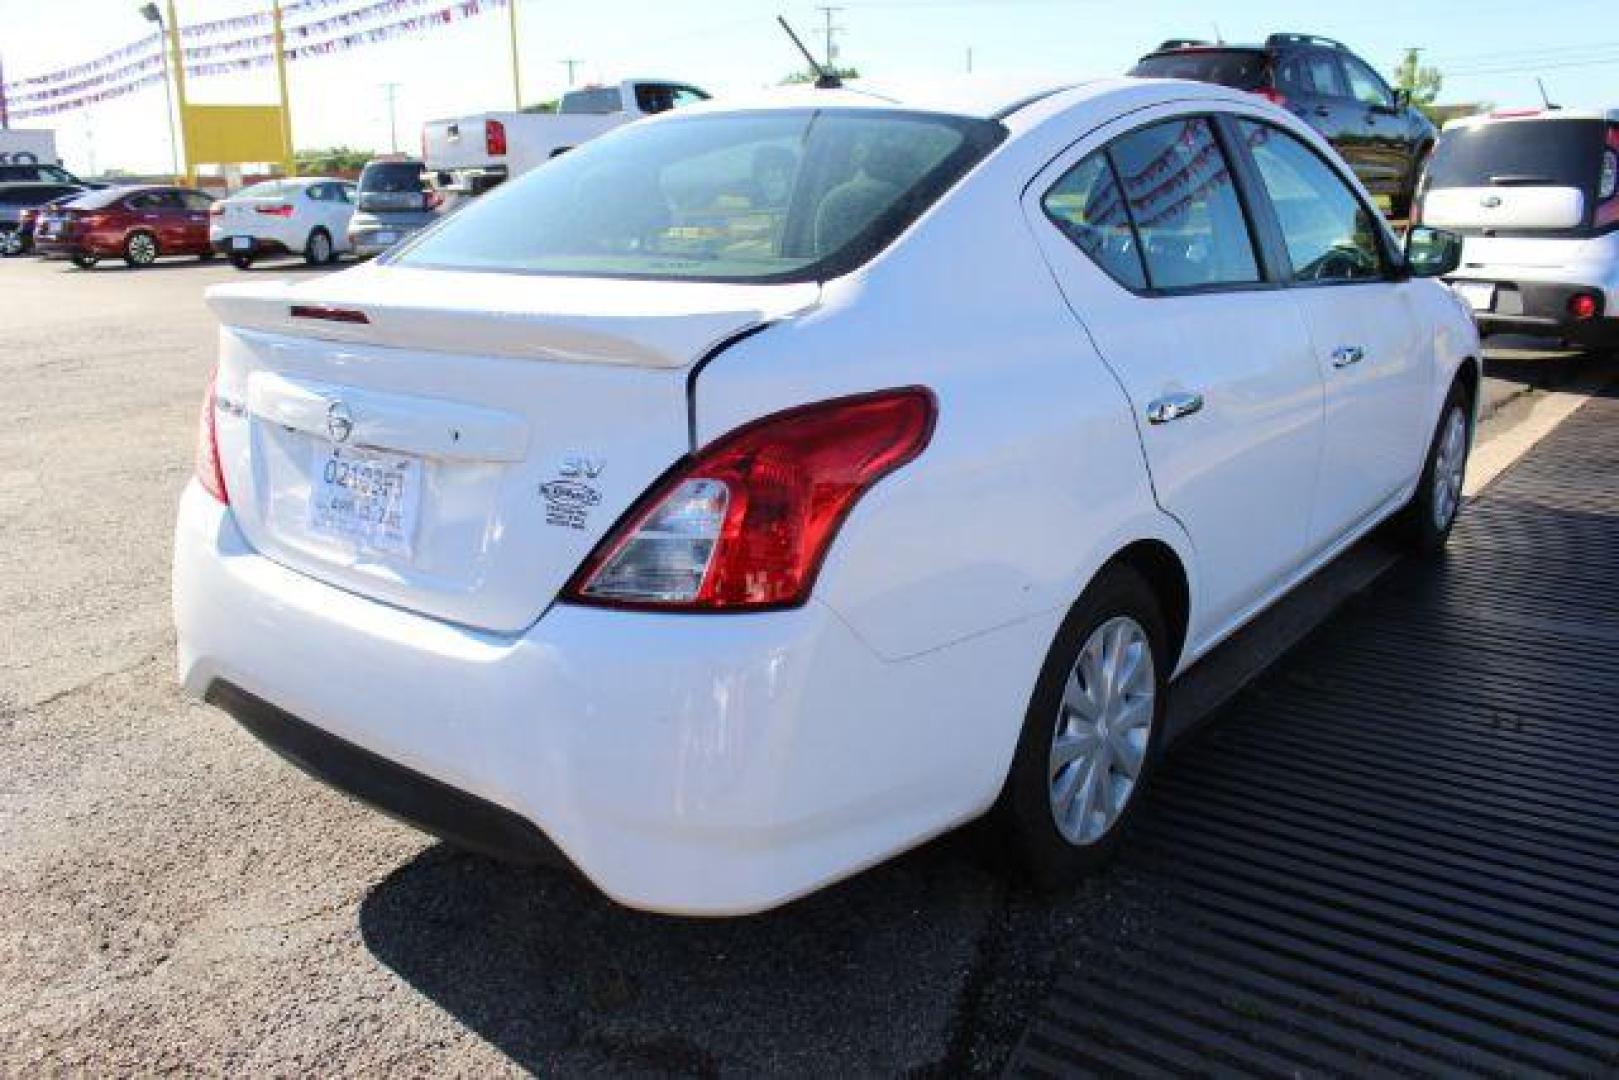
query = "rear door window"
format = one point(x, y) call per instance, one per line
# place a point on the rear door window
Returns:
point(1184, 207)
point(1087, 206)
point(1311, 72)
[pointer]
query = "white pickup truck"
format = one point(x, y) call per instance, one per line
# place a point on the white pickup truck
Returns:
point(476, 152)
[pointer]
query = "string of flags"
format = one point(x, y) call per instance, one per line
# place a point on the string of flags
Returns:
point(136, 66)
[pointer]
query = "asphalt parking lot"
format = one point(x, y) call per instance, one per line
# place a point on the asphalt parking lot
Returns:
point(180, 899)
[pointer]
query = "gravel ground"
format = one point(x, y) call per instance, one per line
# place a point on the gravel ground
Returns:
point(181, 900)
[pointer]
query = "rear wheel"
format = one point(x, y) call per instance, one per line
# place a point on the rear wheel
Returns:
point(11, 242)
point(1093, 733)
point(85, 262)
point(1430, 515)
point(140, 250)
point(242, 262)
point(319, 250)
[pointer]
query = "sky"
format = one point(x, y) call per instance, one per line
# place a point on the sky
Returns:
point(1488, 50)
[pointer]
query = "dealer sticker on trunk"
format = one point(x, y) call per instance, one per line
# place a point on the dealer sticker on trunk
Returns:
point(366, 497)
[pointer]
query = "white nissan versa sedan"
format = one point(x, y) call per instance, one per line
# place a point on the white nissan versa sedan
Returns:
point(761, 489)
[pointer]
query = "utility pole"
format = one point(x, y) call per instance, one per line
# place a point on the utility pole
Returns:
point(570, 65)
point(289, 162)
point(5, 113)
point(179, 71)
point(517, 74)
point(831, 48)
point(969, 59)
point(392, 90)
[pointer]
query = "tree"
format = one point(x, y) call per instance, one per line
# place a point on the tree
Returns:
point(810, 76)
point(1422, 83)
point(335, 159)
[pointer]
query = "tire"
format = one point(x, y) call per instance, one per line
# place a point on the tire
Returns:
point(86, 262)
point(11, 242)
point(140, 250)
point(319, 250)
point(1054, 837)
point(242, 262)
point(1427, 519)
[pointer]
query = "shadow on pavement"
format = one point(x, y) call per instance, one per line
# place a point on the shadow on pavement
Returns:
point(867, 976)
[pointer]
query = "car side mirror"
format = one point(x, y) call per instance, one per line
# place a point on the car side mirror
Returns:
point(1402, 98)
point(1432, 252)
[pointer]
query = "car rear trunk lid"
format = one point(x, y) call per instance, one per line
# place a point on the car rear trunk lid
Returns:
point(461, 450)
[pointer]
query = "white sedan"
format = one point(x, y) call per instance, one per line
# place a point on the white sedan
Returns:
point(760, 490)
point(306, 215)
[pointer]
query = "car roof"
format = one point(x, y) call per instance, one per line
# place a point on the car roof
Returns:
point(1011, 100)
point(1519, 116)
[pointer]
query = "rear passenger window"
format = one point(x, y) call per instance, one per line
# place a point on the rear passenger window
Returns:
point(1184, 207)
point(1085, 204)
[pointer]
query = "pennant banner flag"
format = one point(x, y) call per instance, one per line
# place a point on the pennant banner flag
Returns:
point(90, 83)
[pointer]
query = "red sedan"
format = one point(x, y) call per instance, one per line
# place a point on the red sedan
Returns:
point(136, 224)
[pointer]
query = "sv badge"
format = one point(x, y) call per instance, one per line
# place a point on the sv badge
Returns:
point(575, 466)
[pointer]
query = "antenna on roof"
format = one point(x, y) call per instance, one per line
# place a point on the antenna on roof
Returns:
point(824, 79)
point(1545, 98)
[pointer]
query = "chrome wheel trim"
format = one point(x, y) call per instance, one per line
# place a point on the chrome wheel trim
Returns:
point(142, 248)
point(1104, 724)
point(10, 242)
point(1450, 467)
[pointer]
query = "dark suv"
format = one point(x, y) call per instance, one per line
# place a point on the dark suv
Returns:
point(1377, 130)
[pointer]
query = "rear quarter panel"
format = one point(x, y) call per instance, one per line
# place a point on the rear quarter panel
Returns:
point(1034, 477)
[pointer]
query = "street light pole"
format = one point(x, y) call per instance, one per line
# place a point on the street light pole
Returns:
point(289, 161)
point(517, 74)
point(152, 15)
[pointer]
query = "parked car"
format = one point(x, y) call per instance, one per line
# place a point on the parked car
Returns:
point(696, 507)
point(1376, 129)
point(139, 224)
point(1535, 193)
point(393, 202)
point(477, 152)
point(306, 215)
point(19, 204)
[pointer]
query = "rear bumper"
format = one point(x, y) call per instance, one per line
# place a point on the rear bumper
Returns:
point(258, 246)
point(691, 765)
point(1542, 308)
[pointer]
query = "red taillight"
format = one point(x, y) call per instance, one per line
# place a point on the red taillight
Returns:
point(280, 210)
point(1582, 306)
point(1272, 95)
point(746, 523)
point(494, 137)
point(209, 474)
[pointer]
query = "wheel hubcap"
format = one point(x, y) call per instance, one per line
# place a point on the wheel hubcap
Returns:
point(1450, 468)
point(142, 249)
point(322, 248)
point(1103, 727)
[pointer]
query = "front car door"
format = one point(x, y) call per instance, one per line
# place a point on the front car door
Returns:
point(1362, 326)
point(1149, 240)
point(1382, 127)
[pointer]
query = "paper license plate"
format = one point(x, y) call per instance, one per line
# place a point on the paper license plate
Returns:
point(367, 497)
point(241, 243)
point(1480, 295)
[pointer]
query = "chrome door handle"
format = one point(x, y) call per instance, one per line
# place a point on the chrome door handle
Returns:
point(1344, 355)
point(1173, 407)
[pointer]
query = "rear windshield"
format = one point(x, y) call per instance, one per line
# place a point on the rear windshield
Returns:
point(604, 100)
point(1528, 153)
point(779, 196)
point(393, 177)
point(1243, 69)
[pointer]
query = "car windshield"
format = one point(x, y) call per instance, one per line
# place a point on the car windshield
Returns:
point(769, 196)
point(1528, 153)
point(1243, 69)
